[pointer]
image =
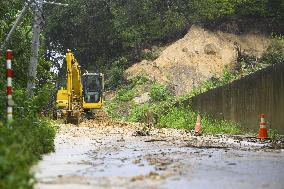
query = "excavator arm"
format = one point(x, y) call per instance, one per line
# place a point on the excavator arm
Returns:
point(82, 93)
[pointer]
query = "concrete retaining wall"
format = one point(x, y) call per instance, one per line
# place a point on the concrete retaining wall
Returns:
point(245, 99)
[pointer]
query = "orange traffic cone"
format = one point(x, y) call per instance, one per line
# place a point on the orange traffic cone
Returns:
point(197, 130)
point(262, 132)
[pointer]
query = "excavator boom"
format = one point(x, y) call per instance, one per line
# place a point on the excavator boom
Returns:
point(83, 93)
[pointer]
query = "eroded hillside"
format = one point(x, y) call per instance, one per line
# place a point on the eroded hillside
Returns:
point(198, 56)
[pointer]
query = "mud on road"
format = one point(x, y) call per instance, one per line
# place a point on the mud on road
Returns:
point(111, 155)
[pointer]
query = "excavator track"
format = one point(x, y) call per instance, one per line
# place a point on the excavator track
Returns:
point(82, 98)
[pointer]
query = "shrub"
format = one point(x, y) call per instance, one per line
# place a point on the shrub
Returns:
point(138, 80)
point(115, 73)
point(186, 118)
point(159, 92)
point(25, 140)
point(275, 53)
point(214, 126)
point(111, 108)
point(138, 113)
point(178, 118)
point(125, 94)
point(21, 145)
point(150, 54)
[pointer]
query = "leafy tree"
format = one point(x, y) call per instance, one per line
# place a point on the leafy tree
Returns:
point(100, 31)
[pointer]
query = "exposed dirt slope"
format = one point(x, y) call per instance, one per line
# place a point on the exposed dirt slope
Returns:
point(198, 56)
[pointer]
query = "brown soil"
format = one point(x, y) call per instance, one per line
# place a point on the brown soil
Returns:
point(198, 56)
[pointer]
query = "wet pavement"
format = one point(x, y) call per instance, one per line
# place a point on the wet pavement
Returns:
point(109, 155)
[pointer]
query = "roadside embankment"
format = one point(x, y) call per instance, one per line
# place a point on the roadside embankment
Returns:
point(243, 100)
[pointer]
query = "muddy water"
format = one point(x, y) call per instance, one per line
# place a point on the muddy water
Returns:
point(111, 157)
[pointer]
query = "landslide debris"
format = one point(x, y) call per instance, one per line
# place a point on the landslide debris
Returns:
point(181, 137)
point(198, 56)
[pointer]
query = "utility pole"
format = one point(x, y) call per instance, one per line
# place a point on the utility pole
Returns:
point(38, 20)
point(34, 46)
point(37, 23)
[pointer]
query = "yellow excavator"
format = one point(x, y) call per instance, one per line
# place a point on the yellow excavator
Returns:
point(82, 96)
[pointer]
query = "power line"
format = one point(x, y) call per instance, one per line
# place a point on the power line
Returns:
point(38, 20)
point(36, 29)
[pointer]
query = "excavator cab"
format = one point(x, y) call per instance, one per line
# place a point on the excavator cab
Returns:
point(83, 93)
point(93, 85)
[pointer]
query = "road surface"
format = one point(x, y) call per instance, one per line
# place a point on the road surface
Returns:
point(111, 155)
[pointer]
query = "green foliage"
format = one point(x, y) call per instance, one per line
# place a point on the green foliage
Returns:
point(214, 82)
point(149, 55)
point(169, 111)
point(122, 106)
point(274, 135)
point(20, 45)
point(125, 94)
point(159, 92)
point(212, 9)
point(227, 76)
point(27, 107)
point(215, 126)
point(138, 80)
point(174, 111)
point(178, 118)
point(123, 28)
point(26, 139)
point(114, 29)
point(115, 73)
point(275, 52)
point(112, 109)
point(138, 112)
point(21, 145)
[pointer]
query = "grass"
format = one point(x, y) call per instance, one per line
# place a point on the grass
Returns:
point(169, 111)
point(185, 118)
point(177, 118)
point(176, 112)
point(125, 94)
point(214, 126)
point(159, 92)
point(138, 112)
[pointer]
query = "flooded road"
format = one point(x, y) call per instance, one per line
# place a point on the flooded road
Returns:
point(111, 156)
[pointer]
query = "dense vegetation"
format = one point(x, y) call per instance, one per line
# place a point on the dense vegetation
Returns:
point(176, 112)
point(168, 110)
point(21, 145)
point(108, 36)
point(30, 135)
point(23, 141)
point(101, 32)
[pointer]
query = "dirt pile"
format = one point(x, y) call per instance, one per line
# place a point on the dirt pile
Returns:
point(198, 56)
